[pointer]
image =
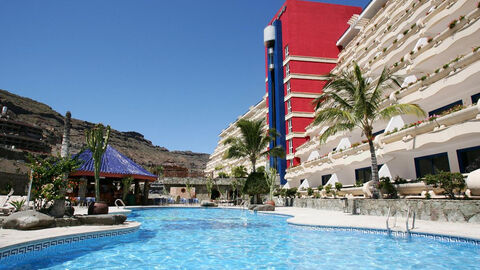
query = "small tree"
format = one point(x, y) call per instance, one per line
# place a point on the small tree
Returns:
point(450, 182)
point(271, 179)
point(209, 186)
point(48, 181)
point(256, 185)
point(252, 142)
point(97, 142)
point(126, 183)
point(188, 187)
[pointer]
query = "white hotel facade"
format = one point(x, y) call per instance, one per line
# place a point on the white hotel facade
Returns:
point(217, 163)
point(434, 47)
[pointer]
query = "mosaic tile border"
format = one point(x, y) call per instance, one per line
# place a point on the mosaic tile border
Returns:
point(39, 245)
point(437, 237)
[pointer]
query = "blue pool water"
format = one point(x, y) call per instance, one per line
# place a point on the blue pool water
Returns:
point(173, 238)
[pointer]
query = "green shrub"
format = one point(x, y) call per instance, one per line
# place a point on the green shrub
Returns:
point(452, 24)
point(18, 205)
point(328, 188)
point(256, 184)
point(338, 186)
point(450, 182)
point(319, 188)
point(387, 188)
point(222, 175)
point(309, 191)
point(291, 192)
point(399, 180)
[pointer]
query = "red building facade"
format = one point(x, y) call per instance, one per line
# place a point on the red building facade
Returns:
point(306, 33)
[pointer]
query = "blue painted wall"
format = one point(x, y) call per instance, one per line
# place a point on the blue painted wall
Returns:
point(276, 104)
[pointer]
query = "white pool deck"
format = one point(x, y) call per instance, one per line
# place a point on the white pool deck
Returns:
point(314, 217)
point(300, 216)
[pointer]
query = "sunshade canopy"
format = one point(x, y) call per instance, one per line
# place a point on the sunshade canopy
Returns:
point(114, 164)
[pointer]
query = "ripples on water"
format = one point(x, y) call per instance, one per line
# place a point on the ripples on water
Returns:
point(235, 239)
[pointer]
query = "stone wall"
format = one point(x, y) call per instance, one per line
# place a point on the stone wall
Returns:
point(435, 210)
point(18, 182)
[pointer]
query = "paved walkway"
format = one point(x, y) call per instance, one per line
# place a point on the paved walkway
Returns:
point(308, 216)
point(13, 237)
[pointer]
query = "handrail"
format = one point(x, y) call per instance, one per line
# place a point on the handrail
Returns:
point(119, 200)
point(388, 217)
point(413, 220)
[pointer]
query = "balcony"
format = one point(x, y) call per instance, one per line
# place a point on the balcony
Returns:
point(432, 124)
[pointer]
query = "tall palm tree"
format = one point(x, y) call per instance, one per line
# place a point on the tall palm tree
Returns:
point(351, 100)
point(252, 142)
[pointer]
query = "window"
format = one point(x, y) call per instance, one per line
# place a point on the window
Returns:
point(364, 175)
point(286, 51)
point(289, 106)
point(291, 162)
point(475, 98)
point(290, 125)
point(431, 164)
point(287, 69)
point(469, 159)
point(378, 132)
point(445, 108)
point(325, 179)
point(289, 89)
point(290, 146)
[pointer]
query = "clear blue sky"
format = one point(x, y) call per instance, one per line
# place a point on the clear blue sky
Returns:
point(176, 71)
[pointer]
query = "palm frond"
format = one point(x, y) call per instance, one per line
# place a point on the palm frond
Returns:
point(399, 109)
point(333, 115)
point(334, 129)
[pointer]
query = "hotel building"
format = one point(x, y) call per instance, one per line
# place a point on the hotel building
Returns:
point(300, 51)
point(434, 47)
point(216, 163)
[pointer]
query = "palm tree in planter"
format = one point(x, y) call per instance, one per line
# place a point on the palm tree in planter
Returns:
point(97, 141)
point(251, 144)
point(351, 100)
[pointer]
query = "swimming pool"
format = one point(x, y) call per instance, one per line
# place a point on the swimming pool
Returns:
point(193, 238)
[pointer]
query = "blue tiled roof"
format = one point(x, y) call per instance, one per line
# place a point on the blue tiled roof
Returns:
point(113, 162)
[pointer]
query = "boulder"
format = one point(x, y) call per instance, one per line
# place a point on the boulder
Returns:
point(264, 207)
point(67, 222)
point(252, 206)
point(28, 220)
point(102, 219)
point(206, 203)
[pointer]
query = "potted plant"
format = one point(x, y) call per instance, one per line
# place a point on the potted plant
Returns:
point(97, 141)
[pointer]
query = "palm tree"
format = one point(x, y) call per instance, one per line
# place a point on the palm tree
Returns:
point(252, 142)
point(351, 100)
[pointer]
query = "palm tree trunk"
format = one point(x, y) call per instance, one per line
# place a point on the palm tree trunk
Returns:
point(58, 209)
point(254, 162)
point(375, 179)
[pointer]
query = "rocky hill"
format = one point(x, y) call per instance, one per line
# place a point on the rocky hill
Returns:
point(131, 143)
